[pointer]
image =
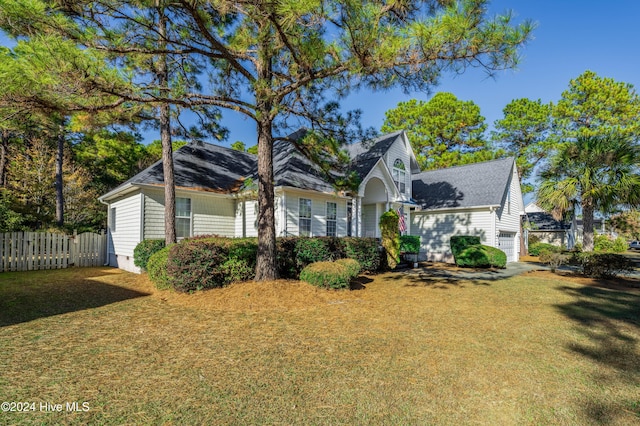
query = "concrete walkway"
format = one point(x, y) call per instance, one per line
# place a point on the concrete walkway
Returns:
point(434, 272)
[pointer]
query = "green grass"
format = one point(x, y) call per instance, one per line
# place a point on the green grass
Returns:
point(535, 349)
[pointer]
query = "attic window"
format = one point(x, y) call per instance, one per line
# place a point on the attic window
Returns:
point(399, 175)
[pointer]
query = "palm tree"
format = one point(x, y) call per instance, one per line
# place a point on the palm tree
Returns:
point(597, 173)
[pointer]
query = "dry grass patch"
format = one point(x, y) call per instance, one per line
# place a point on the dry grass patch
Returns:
point(535, 349)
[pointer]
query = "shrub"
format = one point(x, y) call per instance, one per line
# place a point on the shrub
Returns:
point(195, 264)
point(459, 242)
point(335, 246)
point(286, 257)
point(310, 250)
point(603, 243)
point(365, 251)
point(144, 250)
point(237, 270)
point(352, 265)
point(409, 244)
point(328, 275)
point(390, 237)
point(481, 256)
point(553, 259)
point(157, 269)
point(534, 249)
point(605, 265)
point(211, 262)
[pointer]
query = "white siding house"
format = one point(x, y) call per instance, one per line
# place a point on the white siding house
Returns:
point(482, 199)
point(215, 195)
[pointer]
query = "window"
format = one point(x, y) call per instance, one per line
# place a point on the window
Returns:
point(304, 217)
point(183, 217)
point(332, 216)
point(399, 175)
point(112, 223)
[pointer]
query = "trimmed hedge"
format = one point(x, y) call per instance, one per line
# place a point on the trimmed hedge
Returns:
point(409, 244)
point(366, 251)
point(311, 250)
point(157, 269)
point(211, 262)
point(352, 265)
point(536, 248)
point(336, 275)
point(459, 242)
point(144, 250)
point(481, 256)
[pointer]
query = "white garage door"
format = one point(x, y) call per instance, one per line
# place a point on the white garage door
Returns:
point(507, 243)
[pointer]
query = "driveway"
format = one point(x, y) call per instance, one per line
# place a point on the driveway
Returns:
point(452, 273)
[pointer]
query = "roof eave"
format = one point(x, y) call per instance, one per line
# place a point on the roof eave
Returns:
point(482, 207)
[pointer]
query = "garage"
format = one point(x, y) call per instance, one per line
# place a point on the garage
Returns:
point(507, 243)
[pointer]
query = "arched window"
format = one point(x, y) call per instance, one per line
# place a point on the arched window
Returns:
point(399, 175)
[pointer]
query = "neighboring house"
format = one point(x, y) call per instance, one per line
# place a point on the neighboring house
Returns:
point(482, 199)
point(546, 229)
point(215, 194)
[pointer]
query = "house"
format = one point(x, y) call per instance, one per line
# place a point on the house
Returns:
point(482, 199)
point(215, 195)
point(545, 229)
point(567, 233)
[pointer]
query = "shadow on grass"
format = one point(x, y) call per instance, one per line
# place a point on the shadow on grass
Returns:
point(359, 283)
point(436, 276)
point(26, 296)
point(609, 318)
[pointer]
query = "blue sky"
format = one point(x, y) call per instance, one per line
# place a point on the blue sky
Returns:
point(572, 36)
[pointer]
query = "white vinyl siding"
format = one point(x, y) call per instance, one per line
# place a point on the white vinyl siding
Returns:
point(125, 236)
point(318, 213)
point(210, 215)
point(246, 221)
point(508, 217)
point(436, 228)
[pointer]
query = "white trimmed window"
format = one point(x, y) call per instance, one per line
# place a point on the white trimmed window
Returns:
point(399, 175)
point(183, 217)
point(112, 221)
point(304, 217)
point(332, 217)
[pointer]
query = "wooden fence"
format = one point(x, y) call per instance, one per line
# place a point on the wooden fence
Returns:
point(30, 251)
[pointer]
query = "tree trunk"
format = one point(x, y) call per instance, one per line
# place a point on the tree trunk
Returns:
point(165, 137)
point(266, 265)
point(587, 224)
point(4, 157)
point(59, 182)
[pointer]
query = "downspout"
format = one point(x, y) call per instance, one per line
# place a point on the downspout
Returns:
point(108, 230)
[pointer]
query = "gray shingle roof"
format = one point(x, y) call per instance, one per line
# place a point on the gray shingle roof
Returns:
point(473, 185)
point(202, 166)
point(542, 221)
point(291, 168)
point(366, 154)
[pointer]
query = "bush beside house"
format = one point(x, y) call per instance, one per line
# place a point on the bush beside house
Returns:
point(143, 251)
point(210, 261)
point(331, 275)
point(468, 252)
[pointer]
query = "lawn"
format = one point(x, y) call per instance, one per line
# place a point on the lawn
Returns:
point(534, 349)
